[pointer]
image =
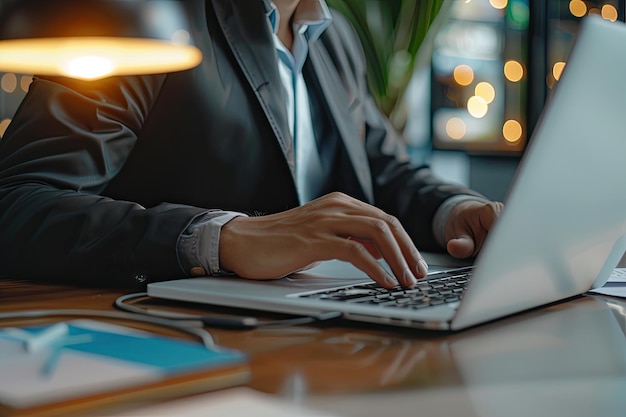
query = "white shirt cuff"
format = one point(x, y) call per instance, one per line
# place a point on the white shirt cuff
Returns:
point(198, 245)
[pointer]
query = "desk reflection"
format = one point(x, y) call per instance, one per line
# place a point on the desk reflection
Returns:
point(336, 360)
point(566, 360)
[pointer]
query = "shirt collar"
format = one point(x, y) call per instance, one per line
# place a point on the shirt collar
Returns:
point(311, 16)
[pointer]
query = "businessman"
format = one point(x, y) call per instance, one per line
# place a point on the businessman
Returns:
point(268, 157)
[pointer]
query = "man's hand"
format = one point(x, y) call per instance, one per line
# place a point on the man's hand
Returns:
point(467, 226)
point(334, 226)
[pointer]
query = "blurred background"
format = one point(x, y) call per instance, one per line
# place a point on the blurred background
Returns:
point(479, 80)
point(464, 80)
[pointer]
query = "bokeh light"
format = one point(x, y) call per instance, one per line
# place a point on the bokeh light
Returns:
point(463, 74)
point(513, 71)
point(455, 128)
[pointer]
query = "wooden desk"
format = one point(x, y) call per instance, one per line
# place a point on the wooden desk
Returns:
point(566, 359)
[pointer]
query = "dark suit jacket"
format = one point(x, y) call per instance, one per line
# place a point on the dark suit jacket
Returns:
point(99, 179)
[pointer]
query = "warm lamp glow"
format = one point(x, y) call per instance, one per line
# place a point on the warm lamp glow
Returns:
point(91, 39)
point(89, 67)
point(93, 58)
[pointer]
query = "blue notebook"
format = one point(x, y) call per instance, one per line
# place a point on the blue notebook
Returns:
point(79, 364)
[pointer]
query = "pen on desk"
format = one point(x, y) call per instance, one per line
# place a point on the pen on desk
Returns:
point(45, 338)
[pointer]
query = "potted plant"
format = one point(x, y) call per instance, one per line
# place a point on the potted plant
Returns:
point(391, 32)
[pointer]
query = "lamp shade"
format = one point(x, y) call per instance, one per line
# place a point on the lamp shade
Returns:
point(92, 39)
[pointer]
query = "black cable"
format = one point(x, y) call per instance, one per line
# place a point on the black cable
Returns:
point(231, 322)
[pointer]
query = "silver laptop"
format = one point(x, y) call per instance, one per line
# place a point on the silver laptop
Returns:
point(561, 232)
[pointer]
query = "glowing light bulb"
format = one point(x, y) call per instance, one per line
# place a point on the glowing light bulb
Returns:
point(89, 67)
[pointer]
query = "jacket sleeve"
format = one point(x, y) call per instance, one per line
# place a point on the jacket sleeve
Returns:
point(411, 192)
point(66, 142)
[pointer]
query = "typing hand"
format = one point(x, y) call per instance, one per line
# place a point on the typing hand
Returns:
point(334, 226)
point(468, 225)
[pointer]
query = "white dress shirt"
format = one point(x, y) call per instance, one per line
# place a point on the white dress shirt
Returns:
point(310, 20)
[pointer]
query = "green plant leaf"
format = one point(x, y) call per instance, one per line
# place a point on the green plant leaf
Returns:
point(391, 32)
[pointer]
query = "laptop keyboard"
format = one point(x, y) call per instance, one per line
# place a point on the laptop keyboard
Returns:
point(437, 288)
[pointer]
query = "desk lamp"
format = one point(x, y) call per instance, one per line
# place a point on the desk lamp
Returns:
point(92, 39)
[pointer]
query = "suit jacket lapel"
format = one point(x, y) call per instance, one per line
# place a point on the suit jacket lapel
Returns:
point(339, 106)
point(248, 35)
